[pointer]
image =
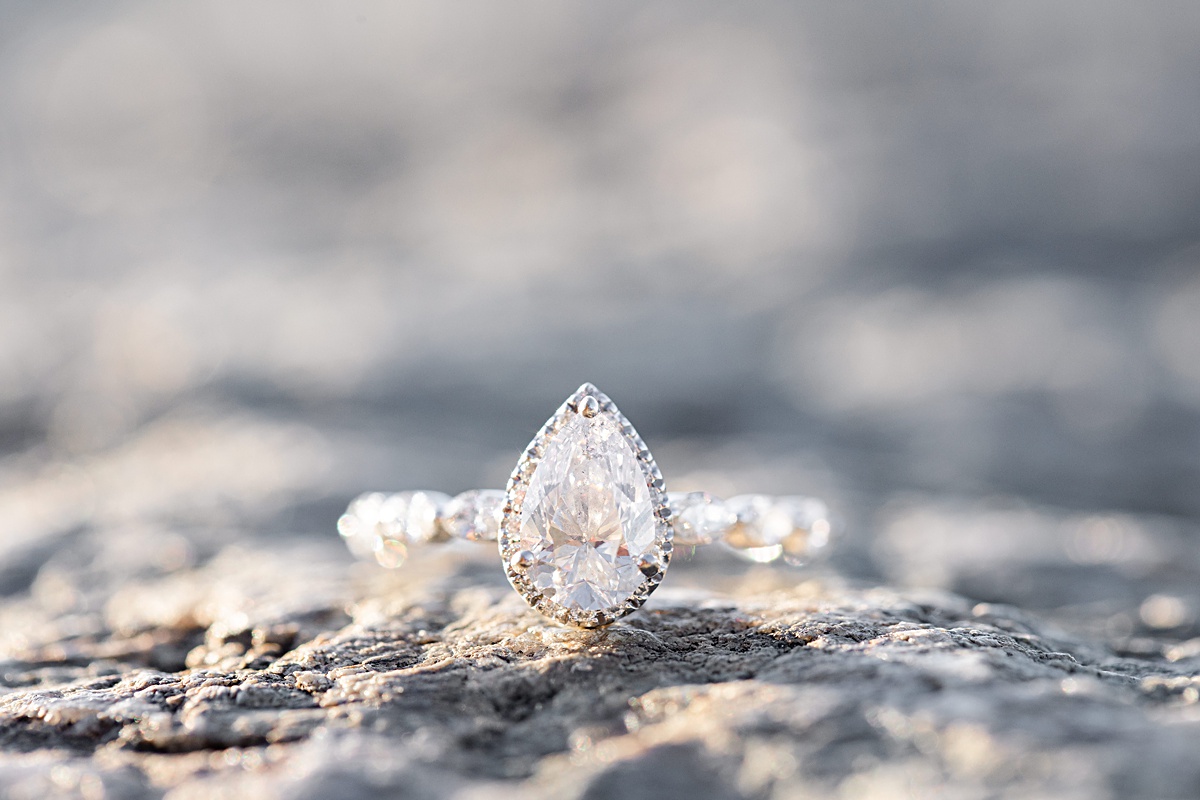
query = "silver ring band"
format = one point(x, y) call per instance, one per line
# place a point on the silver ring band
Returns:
point(757, 527)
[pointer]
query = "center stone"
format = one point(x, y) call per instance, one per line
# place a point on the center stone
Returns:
point(587, 516)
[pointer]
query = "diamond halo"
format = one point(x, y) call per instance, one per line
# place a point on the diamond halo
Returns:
point(586, 534)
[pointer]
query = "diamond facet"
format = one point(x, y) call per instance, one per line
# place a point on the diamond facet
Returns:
point(586, 515)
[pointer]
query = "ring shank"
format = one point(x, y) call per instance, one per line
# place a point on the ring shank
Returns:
point(757, 527)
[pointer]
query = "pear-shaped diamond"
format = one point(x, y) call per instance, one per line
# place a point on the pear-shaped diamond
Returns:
point(586, 533)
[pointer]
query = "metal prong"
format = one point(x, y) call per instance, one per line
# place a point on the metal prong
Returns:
point(522, 559)
point(648, 565)
point(589, 406)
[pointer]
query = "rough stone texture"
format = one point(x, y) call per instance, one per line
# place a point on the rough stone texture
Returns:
point(262, 672)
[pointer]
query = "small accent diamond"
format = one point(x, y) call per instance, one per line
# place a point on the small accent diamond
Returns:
point(474, 515)
point(359, 525)
point(699, 517)
point(383, 525)
point(766, 528)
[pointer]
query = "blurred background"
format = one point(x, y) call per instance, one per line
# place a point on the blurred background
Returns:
point(940, 264)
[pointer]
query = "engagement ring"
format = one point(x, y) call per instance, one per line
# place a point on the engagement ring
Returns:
point(586, 528)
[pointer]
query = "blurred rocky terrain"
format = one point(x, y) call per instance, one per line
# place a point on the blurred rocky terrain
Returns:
point(938, 264)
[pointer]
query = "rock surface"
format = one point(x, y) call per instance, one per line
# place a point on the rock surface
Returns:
point(288, 672)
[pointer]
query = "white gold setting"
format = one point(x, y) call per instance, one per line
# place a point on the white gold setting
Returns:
point(585, 528)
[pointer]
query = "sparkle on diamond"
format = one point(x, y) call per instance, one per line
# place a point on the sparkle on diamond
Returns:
point(587, 516)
